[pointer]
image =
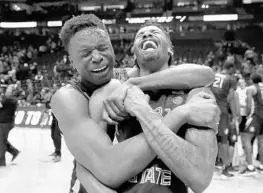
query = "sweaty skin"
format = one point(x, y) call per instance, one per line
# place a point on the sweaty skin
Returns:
point(87, 141)
point(197, 145)
point(169, 122)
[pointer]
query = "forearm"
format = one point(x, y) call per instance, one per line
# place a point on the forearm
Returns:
point(90, 183)
point(185, 76)
point(184, 159)
point(132, 155)
point(111, 164)
point(137, 153)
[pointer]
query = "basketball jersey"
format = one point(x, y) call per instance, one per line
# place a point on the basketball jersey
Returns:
point(258, 101)
point(220, 88)
point(156, 177)
point(242, 97)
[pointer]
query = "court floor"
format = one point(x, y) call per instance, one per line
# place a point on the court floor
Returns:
point(34, 172)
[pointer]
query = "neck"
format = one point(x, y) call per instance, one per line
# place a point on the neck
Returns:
point(143, 71)
point(89, 87)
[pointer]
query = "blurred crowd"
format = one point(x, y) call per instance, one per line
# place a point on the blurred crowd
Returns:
point(36, 63)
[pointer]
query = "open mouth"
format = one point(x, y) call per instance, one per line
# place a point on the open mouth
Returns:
point(149, 45)
point(99, 70)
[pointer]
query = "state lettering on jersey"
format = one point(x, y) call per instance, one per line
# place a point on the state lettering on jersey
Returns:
point(153, 175)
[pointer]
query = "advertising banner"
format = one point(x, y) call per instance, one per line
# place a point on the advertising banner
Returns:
point(33, 117)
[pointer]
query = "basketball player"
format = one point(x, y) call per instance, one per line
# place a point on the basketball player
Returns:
point(152, 50)
point(254, 92)
point(224, 91)
point(91, 53)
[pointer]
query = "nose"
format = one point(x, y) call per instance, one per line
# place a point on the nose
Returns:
point(147, 34)
point(96, 57)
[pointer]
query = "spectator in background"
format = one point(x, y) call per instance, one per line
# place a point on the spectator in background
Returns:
point(55, 131)
point(12, 72)
point(19, 93)
point(33, 69)
point(1, 67)
point(8, 106)
point(23, 72)
point(39, 77)
point(29, 91)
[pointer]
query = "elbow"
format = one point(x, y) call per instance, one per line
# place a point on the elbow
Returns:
point(206, 77)
point(209, 75)
point(202, 178)
point(109, 178)
point(200, 184)
point(109, 175)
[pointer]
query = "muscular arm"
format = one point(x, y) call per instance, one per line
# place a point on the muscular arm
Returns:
point(191, 160)
point(92, 147)
point(186, 76)
point(90, 183)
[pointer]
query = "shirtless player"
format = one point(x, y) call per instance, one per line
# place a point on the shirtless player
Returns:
point(92, 55)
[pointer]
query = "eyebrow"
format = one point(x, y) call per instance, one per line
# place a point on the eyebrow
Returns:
point(152, 30)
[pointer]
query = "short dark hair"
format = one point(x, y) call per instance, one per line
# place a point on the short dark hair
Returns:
point(78, 23)
point(154, 23)
point(256, 78)
point(228, 65)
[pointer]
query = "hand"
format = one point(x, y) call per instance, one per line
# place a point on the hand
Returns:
point(135, 99)
point(203, 111)
point(114, 110)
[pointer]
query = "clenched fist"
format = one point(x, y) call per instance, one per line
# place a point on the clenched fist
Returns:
point(114, 104)
point(135, 99)
point(203, 110)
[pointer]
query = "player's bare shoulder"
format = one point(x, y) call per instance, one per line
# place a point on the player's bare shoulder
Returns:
point(69, 105)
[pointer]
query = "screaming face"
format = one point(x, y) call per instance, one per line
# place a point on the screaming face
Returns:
point(151, 46)
point(92, 55)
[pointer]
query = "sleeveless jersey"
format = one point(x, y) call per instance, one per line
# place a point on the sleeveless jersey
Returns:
point(156, 177)
point(258, 101)
point(220, 88)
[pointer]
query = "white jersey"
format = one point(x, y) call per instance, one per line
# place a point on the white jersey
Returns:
point(242, 94)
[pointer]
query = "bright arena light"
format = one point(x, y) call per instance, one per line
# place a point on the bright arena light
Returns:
point(144, 19)
point(31, 24)
point(54, 23)
point(225, 17)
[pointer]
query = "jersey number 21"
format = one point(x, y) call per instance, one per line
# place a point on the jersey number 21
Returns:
point(218, 82)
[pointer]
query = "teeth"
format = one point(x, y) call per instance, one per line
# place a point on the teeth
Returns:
point(149, 49)
point(149, 44)
point(99, 69)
